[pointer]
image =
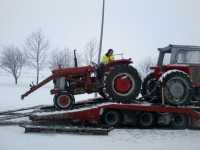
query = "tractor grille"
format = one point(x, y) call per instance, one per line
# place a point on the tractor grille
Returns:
point(60, 83)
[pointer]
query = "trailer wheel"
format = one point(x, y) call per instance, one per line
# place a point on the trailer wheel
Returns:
point(179, 121)
point(111, 118)
point(146, 120)
point(123, 83)
point(63, 101)
point(177, 88)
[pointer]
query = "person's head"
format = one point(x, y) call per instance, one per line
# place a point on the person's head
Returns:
point(109, 52)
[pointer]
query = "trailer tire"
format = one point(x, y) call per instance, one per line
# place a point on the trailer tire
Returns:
point(123, 83)
point(146, 119)
point(111, 118)
point(63, 101)
point(179, 121)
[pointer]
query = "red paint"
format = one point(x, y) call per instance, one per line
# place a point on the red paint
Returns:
point(64, 100)
point(159, 70)
point(122, 84)
point(93, 114)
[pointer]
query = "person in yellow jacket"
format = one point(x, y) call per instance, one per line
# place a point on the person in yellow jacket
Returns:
point(108, 57)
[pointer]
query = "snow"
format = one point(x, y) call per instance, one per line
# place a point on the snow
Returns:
point(14, 138)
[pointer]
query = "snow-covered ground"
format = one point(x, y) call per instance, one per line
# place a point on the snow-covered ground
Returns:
point(14, 138)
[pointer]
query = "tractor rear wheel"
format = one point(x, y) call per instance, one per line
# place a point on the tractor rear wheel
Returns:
point(176, 88)
point(63, 101)
point(123, 83)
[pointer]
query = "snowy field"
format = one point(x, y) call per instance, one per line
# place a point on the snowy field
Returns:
point(14, 138)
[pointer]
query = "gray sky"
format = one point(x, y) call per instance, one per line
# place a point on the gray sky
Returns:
point(134, 27)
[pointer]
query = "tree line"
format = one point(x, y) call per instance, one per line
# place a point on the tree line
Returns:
point(35, 54)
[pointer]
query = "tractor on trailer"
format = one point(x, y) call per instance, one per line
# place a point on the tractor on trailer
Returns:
point(170, 94)
point(121, 83)
point(176, 78)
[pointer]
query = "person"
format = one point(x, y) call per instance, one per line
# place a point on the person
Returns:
point(107, 58)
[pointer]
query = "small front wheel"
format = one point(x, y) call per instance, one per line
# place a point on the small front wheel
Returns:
point(63, 101)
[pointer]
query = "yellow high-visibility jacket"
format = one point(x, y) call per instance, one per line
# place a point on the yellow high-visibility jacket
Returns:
point(106, 59)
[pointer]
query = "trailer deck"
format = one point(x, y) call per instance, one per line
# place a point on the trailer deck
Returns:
point(102, 114)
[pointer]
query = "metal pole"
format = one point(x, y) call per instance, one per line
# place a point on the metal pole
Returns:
point(101, 35)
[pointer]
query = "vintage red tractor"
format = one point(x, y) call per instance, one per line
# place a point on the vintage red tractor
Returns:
point(176, 78)
point(121, 82)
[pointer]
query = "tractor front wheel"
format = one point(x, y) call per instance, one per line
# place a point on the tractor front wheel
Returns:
point(63, 101)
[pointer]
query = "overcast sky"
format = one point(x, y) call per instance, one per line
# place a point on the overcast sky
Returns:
point(134, 27)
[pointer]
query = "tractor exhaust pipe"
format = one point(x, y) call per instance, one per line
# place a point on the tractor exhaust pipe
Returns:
point(75, 59)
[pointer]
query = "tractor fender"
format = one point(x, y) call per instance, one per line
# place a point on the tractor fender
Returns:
point(169, 72)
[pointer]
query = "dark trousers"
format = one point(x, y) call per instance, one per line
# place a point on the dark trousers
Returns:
point(101, 72)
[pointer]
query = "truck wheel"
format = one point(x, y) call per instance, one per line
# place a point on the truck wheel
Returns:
point(146, 120)
point(176, 88)
point(123, 83)
point(111, 118)
point(179, 121)
point(63, 101)
point(148, 85)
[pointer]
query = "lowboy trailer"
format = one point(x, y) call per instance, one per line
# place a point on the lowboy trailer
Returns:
point(112, 114)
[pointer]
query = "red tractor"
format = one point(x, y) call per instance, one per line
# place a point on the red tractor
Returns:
point(176, 78)
point(121, 82)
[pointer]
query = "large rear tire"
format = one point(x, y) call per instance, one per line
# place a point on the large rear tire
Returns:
point(176, 88)
point(123, 83)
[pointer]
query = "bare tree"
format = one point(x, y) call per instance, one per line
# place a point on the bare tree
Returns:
point(144, 66)
point(91, 51)
point(36, 46)
point(12, 60)
point(62, 58)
